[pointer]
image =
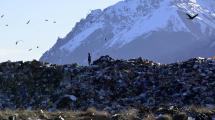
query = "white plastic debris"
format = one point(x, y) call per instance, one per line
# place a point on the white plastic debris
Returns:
point(72, 97)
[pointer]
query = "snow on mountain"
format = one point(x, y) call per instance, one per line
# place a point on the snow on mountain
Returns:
point(155, 21)
point(72, 45)
point(156, 30)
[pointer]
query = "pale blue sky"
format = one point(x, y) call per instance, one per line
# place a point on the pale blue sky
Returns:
point(38, 32)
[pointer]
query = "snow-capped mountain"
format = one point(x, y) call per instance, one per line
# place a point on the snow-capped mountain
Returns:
point(157, 30)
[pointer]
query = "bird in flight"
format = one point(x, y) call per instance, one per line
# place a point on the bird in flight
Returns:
point(192, 17)
point(54, 22)
point(2, 16)
point(29, 49)
point(37, 46)
point(17, 42)
point(28, 22)
point(6, 25)
point(46, 20)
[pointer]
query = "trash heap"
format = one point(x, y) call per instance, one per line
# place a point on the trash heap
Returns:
point(108, 84)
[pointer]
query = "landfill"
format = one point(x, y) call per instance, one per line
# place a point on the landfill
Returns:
point(107, 84)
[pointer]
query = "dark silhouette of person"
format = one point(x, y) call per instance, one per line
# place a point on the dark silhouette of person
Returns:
point(89, 59)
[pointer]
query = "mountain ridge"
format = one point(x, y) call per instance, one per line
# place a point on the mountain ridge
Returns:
point(132, 28)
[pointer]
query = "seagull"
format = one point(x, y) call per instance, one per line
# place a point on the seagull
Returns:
point(6, 25)
point(192, 17)
point(46, 20)
point(37, 46)
point(29, 49)
point(28, 22)
point(17, 42)
point(2, 16)
point(54, 22)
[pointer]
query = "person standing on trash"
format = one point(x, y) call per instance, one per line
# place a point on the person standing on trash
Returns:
point(89, 59)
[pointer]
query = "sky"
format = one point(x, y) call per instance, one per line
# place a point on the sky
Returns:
point(39, 32)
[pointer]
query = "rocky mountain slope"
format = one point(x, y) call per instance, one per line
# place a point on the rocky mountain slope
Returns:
point(108, 84)
point(157, 30)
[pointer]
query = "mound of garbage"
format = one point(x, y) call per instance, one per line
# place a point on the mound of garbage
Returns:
point(108, 84)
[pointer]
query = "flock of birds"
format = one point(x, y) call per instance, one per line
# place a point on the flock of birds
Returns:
point(191, 17)
point(19, 41)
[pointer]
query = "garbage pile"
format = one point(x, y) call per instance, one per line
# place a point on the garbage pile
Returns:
point(108, 84)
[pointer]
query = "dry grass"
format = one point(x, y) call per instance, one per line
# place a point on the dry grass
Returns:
point(149, 117)
point(90, 114)
point(198, 109)
point(131, 114)
point(36, 115)
point(93, 114)
point(164, 117)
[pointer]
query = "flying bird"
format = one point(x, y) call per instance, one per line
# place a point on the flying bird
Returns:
point(46, 20)
point(37, 46)
point(28, 22)
point(6, 25)
point(29, 49)
point(17, 42)
point(2, 16)
point(54, 22)
point(192, 17)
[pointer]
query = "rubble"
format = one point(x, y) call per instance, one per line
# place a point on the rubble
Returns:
point(108, 84)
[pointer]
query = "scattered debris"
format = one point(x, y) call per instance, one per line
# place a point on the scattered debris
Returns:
point(108, 84)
